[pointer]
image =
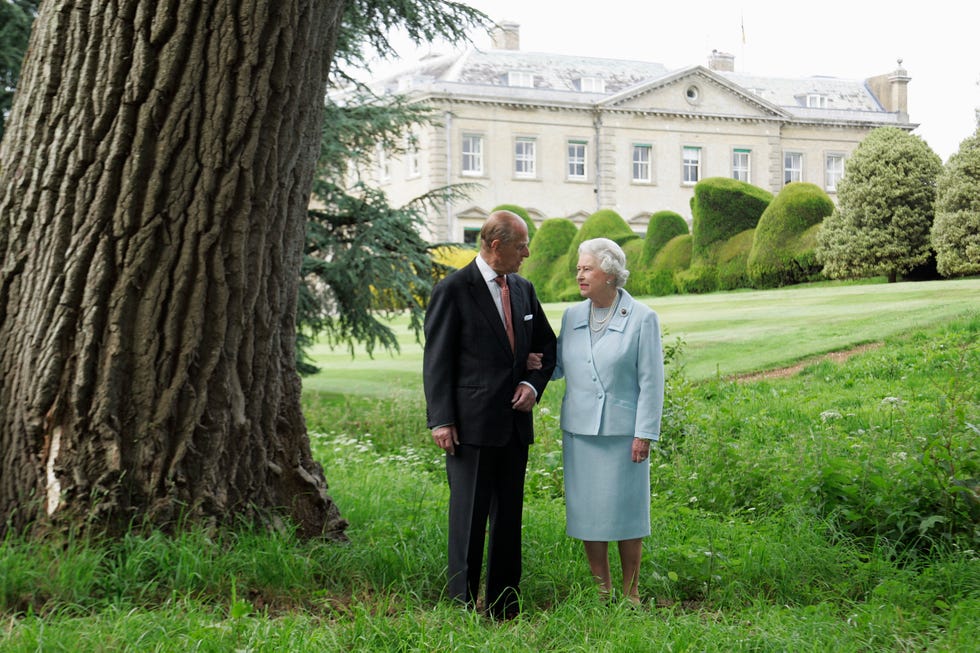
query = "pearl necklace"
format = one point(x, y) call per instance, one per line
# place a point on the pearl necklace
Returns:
point(597, 324)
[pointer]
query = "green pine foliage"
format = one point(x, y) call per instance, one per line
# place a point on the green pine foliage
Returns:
point(16, 18)
point(723, 207)
point(550, 243)
point(780, 254)
point(524, 215)
point(886, 207)
point(956, 230)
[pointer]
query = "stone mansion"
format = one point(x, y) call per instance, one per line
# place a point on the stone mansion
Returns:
point(565, 136)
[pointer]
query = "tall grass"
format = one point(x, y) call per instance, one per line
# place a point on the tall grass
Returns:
point(834, 510)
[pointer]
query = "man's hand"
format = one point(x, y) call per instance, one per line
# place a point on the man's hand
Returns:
point(446, 438)
point(523, 399)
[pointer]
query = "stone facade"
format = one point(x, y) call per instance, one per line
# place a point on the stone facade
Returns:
point(565, 136)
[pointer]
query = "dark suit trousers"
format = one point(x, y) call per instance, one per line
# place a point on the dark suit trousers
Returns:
point(486, 483)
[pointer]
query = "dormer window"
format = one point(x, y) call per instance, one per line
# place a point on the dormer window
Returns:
point(592, 85)
point(520, 78)
point(816, 101)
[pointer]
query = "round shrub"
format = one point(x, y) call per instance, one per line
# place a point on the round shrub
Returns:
point(524, 215)
point(697, 279)
point(605, 223)
point(956, 228)
point(723, 207)
point(732, 258)
point(674, 256)
point(663, 226)
point(779, 256)
point(633, 249)
point(550, 243)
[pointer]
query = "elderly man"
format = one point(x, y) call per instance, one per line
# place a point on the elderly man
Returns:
point(482, 322)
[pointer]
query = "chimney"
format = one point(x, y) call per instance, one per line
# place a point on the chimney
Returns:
point(721, 61)
point(892, 90)
point(506, 35)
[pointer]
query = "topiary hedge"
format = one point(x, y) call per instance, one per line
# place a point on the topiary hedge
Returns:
point(525, 216)
point(550, 243)
point(779, 254)
point(723, 207)
point(732, 257)
point(663, 226)
point(605, 223)
point(956, 228)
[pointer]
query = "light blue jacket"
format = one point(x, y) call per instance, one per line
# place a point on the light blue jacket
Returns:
point(617, 387)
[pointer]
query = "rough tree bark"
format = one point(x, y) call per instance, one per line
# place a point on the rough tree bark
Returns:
point(154, 181)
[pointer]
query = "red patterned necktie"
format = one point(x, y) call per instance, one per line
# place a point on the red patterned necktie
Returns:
point(505, 301)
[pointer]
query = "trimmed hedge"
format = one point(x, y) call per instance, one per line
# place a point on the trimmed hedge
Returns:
point(732, 258)
point(723, 207)
point(525, 216)
point(779, 255)
point(548, 246)
point(663, 226)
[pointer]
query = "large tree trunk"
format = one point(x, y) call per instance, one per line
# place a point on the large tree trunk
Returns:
point(154, 181)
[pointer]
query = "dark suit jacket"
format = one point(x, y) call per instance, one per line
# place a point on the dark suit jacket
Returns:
point(469, 370)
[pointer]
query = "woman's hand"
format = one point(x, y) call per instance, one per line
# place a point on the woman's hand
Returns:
point(534, 361)
point(641, 450)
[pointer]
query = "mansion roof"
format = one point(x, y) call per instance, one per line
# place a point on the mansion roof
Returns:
point(585, 82)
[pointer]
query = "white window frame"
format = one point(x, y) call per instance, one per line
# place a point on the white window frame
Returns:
point(382, 163)
point(833, 170)
point(816, 101)
point(792, 167)
point(520, 78)
point(690, 165)
point(525, 149)
point(592, 85)
point(412, 160)
point(577, 164)
point(742, 164)
point(472, 155)
point(641, 163)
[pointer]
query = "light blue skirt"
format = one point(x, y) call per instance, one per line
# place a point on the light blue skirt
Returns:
point(607, 495)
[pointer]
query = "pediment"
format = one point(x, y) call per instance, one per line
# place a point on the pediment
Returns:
point(694, 91)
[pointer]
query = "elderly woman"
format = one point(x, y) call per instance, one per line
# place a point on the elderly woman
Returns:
point(609, 352)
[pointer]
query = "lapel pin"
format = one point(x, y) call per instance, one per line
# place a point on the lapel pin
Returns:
point(622, 311)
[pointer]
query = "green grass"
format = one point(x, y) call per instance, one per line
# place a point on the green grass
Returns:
point(828, 511)
point(725, 333)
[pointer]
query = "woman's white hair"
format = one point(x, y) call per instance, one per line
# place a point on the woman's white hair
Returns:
point(612, 259)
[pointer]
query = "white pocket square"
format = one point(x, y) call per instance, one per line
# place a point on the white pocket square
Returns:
point(527, 318)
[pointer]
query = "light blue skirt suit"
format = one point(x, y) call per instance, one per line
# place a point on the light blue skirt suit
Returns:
point(614, 391)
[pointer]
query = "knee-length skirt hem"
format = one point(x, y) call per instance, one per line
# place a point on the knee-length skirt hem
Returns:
point(607, 495)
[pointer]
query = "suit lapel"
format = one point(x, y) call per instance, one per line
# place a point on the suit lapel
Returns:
point(484, 302)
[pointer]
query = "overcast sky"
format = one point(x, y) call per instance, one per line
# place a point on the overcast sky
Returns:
point(854, 39)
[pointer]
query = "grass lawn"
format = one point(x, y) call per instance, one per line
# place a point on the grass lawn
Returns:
point(725, 333)
point(833, 510)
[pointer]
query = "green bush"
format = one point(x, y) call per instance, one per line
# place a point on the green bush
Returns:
point(723, 207)
point(663, 226)
point(780, 256)
point(697, 279)
point(550, 243)
point(601, 224)
point(732, 258)
point(525, 216)
point(636, 284)
point(674, 256)
point(956, 229)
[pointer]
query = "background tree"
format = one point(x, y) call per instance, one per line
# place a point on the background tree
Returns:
point(355, 239)
point(885, 208)
point(16, 17)
point(956, 230)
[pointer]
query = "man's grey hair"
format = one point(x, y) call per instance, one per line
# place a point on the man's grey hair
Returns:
point(612, 259)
